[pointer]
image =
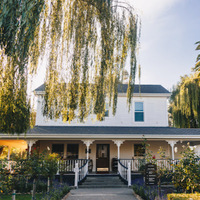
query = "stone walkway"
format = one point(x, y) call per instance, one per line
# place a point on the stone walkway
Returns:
point(101, 194)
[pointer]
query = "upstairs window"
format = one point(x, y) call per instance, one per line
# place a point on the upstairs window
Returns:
point(139, 112)
point(107, 110)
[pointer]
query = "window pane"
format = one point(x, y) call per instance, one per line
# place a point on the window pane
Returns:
point(107, 110)
point(58, 148)
point(72, 151)
point(139, 116)
point(139, 150)
point(106, 113)
point(138, 106)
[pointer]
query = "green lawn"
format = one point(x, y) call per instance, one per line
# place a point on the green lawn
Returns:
point(20, 197)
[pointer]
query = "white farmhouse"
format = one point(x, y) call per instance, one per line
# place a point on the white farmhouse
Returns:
point(117, 137)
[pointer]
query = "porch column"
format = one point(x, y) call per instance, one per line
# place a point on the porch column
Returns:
point(118, 143)
point(172, 143)
point(87, 143)
point(8, 157)
point(30, 143)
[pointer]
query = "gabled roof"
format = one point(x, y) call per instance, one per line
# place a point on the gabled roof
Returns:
point(122, 88)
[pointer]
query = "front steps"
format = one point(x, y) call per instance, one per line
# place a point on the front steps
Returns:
point(102, 181)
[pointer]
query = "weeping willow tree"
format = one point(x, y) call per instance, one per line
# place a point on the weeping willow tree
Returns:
point(185, 99)
point(197, 65)
point(84, 46)
point(185, 102)
point(18, 22)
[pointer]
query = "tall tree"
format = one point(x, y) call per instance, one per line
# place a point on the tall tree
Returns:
point(85, 44)
point(185, 102)
point(185, 99)
point(197, 66)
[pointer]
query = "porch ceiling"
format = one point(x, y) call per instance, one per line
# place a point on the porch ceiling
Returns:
point(14, 143)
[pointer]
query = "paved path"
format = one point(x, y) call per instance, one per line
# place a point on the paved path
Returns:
point(101, 194)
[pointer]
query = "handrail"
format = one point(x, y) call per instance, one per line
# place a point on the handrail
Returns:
point(80, 172)
point(83, 171)
point(125, 172)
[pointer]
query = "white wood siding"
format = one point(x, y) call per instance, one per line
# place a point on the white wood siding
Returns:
point(155, 114)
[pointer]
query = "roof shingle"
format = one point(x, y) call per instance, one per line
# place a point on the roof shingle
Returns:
point(94, 130)
point(122, 88)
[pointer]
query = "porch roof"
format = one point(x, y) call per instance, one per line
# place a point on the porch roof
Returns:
point(107, 132)
point(95, 130)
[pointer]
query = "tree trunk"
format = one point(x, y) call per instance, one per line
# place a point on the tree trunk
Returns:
point(48, 185)
point(34, 189)
point(159, 188)
point(51, 182)
point(1, 150)
point(61, 178)
point(14, 195)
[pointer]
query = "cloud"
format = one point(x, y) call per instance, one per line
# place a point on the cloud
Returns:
point(151, 9)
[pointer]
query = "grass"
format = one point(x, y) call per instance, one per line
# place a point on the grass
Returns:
point(20, 196)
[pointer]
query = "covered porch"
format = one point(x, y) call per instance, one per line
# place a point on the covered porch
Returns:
point(103, 155)
point(104, 146)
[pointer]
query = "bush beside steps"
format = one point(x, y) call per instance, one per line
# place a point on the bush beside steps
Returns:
point(184, 196)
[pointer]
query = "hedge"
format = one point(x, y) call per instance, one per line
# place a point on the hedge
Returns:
point(195, 196)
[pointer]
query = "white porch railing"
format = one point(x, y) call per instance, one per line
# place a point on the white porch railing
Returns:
point(80, 172)
point(66, 166)
point(8, 164)
point(137, 165)
point(125, 171)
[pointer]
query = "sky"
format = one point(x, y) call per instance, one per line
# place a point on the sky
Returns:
point(169, 30)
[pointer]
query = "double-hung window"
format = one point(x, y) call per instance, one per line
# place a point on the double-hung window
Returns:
point(139, 112)
point(59, 149)
point(139, 150)
point(107, 110)
point(72, 151)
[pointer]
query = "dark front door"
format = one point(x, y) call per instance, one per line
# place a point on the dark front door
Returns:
point(102, 158)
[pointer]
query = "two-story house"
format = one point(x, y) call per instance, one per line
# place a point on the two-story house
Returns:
point(120, 136)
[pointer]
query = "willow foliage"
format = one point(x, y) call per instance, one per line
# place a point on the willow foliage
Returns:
point(18, 22)
point(197, 65)
point(14, 106)
point(88, 42)
point(84, 43)
point(185, 102)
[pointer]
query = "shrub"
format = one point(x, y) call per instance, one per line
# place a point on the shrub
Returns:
point(57, 193)
point(195, 196)
point(145, 192)
point(186, 172)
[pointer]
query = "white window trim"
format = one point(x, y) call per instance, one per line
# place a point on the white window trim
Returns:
point(136, 111)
